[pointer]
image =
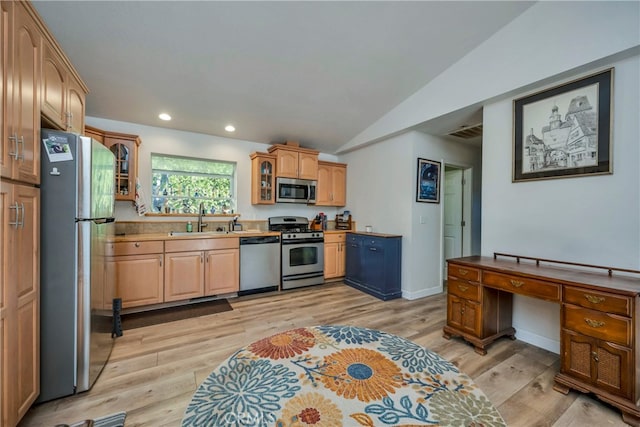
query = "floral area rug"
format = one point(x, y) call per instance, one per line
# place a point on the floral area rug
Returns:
point(333, 376)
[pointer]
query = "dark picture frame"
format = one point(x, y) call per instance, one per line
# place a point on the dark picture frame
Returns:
point(564, 131)
point(428, 181)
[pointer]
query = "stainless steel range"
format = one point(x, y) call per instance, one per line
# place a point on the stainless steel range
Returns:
point(302, 251)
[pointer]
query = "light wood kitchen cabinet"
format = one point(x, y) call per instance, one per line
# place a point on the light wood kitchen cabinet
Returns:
point(263, 176)
point(136, 270)
point(201, 267)
point(295, 162)
point(21, 41)
point(94, 133)
point(334, 255)
point(222, 271)
point(63, 95)
point(184, 275)
point(19, 300)
point(332, 184)
point(125, 148)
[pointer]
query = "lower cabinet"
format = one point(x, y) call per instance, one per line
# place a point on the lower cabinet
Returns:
point(464, 315)
point(373, 264)
point(597, 362)
point(19, 300)
point(201, 267)
point(222, 271)
point(136, 271)
point(334, 255)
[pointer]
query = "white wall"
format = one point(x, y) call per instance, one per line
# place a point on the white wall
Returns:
point(189, 144)
point(381, 190)
point(592, 219)
point(537, 45)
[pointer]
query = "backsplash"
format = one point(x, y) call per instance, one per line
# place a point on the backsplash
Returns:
point(153, 227)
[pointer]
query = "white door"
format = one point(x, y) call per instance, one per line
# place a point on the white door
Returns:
point(452, 215)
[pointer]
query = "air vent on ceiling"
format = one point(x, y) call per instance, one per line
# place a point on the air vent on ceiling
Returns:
point(468, 132)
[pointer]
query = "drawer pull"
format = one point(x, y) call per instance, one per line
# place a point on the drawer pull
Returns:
point(516, 283)
point(594, 323)
point(463, 272)
point(594, 299)
point(463, 288)
point(136, 244)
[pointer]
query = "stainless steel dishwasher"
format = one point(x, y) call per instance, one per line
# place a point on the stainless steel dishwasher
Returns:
point(259, 264)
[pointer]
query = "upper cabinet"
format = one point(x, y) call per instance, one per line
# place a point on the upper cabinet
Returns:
point(125, 148)
point(295, 162)
point(263, 175)
point(21, 45)
point(332, 184)
point(63, 95)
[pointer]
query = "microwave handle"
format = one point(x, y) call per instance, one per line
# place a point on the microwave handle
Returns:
point(308, 193)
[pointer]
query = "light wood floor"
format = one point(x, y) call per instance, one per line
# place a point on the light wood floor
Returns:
point(153, 371)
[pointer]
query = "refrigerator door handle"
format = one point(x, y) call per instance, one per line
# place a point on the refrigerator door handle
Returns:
point(103, 220)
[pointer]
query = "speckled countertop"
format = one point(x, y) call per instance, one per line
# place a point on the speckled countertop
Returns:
point(364, 233)
point(183, 235)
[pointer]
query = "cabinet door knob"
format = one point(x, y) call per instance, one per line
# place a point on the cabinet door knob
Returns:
point(594, 299)
point(595, 356)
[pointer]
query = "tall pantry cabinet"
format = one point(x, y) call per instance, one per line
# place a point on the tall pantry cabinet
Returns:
point(22, 37)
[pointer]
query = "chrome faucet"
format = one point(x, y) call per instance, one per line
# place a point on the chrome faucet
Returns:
point(201, 225)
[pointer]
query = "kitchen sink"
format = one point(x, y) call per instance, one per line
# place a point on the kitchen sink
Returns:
point(195, 233)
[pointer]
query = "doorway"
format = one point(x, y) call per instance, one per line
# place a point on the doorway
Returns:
point(457, 213)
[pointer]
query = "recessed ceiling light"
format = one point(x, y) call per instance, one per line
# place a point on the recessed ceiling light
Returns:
point(230, 128)
point(164, 116)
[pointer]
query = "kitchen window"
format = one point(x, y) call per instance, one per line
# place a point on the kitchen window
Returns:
point(181, 184)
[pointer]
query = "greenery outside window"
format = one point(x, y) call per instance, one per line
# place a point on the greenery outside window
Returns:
point(181, 184)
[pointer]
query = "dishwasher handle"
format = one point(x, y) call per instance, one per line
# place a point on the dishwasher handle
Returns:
point(259, 240)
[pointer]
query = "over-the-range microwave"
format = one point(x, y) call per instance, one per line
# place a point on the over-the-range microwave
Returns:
point(295, 190)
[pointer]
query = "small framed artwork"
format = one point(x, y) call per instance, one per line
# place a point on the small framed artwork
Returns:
point(564, 131)
point(428, 182)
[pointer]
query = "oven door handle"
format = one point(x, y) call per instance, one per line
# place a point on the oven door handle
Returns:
point(301, 241)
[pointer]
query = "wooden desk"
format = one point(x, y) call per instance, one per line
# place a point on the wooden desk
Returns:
point(599, 321)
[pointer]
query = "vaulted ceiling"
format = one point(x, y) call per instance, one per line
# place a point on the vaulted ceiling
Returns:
point(316, 72)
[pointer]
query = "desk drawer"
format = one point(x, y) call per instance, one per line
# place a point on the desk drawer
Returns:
point(519, 285)
point(601, 301)
point(463, 289)
point(607, 327)
point(463, 272)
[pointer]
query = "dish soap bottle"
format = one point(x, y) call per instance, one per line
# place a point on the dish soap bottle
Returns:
point(189, 227)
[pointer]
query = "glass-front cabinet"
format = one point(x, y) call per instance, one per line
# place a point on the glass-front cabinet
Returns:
point(125, 148)
point(263, 172)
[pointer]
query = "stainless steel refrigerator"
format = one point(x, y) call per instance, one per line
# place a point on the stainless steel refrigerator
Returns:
point(77, 219)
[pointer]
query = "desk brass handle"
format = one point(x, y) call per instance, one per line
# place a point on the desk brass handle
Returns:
point(463, 288)
point(462, 271)
point(516, 283)
point(593, 299)
point(594, 323)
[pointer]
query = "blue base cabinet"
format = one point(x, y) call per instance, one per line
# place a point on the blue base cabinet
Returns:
point(373, 264)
